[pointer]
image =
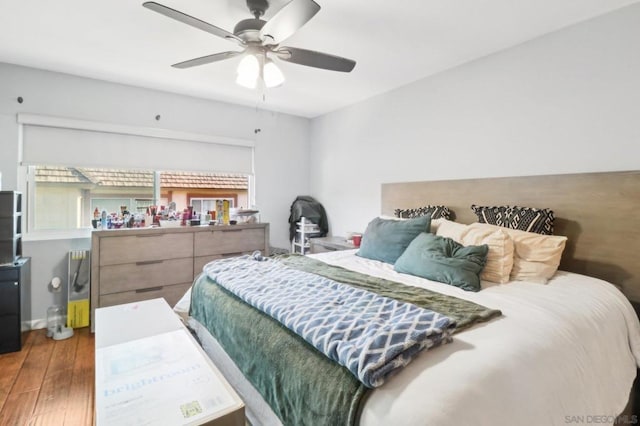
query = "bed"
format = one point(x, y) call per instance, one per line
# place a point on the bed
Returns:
point(564, 352)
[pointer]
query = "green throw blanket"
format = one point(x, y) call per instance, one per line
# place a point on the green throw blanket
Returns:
point(302, 386)
point(464, 313)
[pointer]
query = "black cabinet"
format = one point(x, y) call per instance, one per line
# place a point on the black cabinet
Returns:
point(15, 303)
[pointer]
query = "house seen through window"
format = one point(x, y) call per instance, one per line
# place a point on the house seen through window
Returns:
point(66, 197)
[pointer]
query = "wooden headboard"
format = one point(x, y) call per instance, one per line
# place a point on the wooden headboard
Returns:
point(598, 212)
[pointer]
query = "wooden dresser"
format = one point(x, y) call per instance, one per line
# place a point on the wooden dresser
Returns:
point(130, 265)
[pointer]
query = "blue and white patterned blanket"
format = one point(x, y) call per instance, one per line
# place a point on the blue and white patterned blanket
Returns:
point(369, 334)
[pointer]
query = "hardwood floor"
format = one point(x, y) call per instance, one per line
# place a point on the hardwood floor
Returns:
point(48, 382)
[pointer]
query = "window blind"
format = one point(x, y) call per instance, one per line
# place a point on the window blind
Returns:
point(52, 141)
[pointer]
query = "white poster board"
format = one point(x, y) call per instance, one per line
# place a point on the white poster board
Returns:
point(162, 379)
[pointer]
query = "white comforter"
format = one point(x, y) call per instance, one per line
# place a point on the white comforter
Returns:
point(562, 353)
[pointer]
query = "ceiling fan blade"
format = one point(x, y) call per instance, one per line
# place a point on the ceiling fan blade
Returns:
point(288, 20)
point(315, 59)
point(190, 20)
point(206, 59)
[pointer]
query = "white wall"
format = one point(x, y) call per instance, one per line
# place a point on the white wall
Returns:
point(565, 103)
point(281, 154)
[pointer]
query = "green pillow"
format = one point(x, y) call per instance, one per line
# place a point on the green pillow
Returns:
point(387, 239)
point(442, 259)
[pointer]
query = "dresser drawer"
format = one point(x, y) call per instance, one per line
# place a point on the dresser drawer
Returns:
point(171, 293)
point(229, 241)
point(145, 274)
point(145, 247)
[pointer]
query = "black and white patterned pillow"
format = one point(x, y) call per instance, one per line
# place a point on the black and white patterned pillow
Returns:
point(436, 212)
point(528, 219)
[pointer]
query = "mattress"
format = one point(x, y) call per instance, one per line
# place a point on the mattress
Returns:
point(559, 351)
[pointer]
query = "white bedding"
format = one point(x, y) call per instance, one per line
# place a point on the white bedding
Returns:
point(560, 351)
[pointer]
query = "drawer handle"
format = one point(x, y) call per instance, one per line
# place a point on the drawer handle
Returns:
point(149, 262)
point(149, 235)
point(231, 230)
point(146, 290)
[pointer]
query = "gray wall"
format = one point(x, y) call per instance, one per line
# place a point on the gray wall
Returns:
point(568, 102)
point(281, 153)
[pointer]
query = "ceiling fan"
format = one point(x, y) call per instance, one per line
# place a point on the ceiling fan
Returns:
point(261, 41)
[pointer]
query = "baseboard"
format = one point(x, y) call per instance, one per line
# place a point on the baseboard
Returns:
point(35, 324)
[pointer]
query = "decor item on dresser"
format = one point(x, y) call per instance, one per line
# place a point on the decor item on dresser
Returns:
point(130, 265)
point(528, 219)
point(436, 212)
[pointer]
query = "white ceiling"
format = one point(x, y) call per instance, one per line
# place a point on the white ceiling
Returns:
point(394, 43)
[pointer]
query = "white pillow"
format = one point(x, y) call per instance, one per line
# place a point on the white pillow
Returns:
point(450, 229)
point(536, 256)
point(500, 257)
point(435, 224)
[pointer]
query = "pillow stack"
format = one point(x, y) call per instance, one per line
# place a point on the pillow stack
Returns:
point(514, 255)
point(412, 249)
point(462, 255)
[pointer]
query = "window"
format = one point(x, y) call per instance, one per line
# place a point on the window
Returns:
point(134, 162)
point(203, 205)
point(66, 198)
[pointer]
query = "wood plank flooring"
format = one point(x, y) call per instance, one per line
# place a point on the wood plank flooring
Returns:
point(48, 382)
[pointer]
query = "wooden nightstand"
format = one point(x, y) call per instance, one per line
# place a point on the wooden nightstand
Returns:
point(321, 245)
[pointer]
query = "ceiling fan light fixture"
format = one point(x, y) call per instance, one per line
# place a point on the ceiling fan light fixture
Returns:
point(248, 82)
point(273, 77)
point(249, 66)
point(248, 72)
